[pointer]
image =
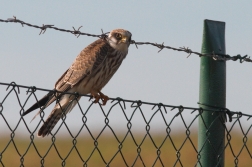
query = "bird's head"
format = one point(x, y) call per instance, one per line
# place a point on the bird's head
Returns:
point(119, 39)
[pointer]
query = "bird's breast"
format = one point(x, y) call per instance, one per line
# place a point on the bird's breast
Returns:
point(100, 76)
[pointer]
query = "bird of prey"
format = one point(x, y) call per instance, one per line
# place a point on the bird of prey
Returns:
point(89, 73)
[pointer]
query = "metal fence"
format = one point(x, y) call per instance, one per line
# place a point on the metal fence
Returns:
point(77, 33)
point(147, 134)
point(129, 132)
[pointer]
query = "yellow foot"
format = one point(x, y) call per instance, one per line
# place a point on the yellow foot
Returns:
point(104, 98)
point(99, 95)
point(96, 96)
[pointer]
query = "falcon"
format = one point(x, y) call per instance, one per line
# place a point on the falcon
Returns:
point(89, 73)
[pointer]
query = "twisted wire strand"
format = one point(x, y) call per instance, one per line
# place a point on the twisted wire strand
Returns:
point(138, 144)
point(77, 33)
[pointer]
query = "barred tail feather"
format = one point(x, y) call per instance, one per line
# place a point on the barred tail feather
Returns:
point(55, 116)
point(50, 122)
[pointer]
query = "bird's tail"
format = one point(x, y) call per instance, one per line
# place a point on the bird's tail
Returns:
point(58, 112)
point(44, 102)
point(50, 122)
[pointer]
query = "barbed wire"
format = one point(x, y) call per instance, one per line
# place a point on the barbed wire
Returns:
point(77, 33)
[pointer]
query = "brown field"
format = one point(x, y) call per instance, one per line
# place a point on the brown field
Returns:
point(108, 147)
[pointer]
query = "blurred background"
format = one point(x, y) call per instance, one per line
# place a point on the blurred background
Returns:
point(30, 59)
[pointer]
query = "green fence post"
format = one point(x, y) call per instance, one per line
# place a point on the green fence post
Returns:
point(211, 136)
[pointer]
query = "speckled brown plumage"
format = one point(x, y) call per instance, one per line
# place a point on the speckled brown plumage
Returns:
point(89, 73)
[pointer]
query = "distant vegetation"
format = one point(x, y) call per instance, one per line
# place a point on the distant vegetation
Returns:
point(108, 147)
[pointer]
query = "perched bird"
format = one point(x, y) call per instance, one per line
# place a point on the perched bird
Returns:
point(89, 73)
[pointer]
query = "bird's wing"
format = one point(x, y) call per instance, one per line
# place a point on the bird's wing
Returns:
point(85, 63)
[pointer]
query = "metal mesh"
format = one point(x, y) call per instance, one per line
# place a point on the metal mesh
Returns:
point(122, 133)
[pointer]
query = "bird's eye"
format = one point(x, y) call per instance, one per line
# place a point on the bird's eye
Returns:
point(118, 36)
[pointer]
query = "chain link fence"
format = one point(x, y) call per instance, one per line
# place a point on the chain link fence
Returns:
point(122, 133)
point(125, 132)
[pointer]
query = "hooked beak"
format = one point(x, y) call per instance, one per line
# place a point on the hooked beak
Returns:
point(124, 39)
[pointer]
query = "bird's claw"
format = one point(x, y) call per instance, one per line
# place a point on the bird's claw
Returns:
point(99, 96)
point(96, 97)
point(104, 98)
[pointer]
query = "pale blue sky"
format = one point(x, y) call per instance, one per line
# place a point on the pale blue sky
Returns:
point(168, 77)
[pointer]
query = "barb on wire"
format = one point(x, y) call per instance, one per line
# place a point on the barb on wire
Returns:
point(103, 35)
point(77, 32)
point(187, 50)
point(44, 27)
point(215, 56)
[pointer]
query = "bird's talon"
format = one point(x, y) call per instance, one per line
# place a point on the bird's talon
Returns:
point(104, 98)
point(97, 98)
point(104, 102)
